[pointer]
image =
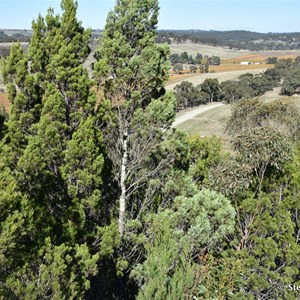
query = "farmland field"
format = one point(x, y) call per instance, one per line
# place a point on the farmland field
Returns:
point(261, 56)
point(221, 76)
point(193, 49)
point(230, 55)
point(209, 123)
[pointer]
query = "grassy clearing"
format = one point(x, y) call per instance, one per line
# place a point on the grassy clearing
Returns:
point(275, 95)
point(212, 122)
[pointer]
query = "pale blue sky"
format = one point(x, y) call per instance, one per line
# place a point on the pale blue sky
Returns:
point(254, 15)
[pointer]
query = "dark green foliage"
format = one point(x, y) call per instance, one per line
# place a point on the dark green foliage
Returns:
point(132, 70)
point(212, 88)
point(104, 200)
point(178, 67)
point(52, 161)
point(175, 240)
point(188, 95)
point(291, 82)
point(271, 60)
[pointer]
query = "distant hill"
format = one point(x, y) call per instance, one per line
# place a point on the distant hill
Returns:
point(235, 39)
point(14, 35)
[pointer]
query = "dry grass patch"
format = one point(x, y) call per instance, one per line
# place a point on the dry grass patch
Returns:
point(261, 56)
point(237, 67)
point(194, 48)
point(210, 123)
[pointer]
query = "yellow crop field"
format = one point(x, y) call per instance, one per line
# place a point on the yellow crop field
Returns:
point(261, 56)
point(237, 67)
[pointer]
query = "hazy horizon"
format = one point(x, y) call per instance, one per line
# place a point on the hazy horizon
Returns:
point(219, 15)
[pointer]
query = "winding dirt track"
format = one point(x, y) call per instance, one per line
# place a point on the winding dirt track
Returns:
point(193, 113)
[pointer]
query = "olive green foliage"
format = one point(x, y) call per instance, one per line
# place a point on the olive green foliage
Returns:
point(257, 180)
point(205, 152)
point(175, 240)
point(188, 96)
point(291, 84)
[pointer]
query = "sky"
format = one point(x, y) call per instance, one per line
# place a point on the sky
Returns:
point(253, 15)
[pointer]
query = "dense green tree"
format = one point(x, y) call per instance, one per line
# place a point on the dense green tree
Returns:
point(187, 95)
point(198, 58)
point(193, 69)
point(205, 152)
point(174, 58)
point(55, 170)
point(184, 57)
point(232, 91)
point(271, 60)
point(291, 82)
point(212, 88)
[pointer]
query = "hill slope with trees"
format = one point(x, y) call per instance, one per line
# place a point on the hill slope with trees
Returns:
point(101, 199)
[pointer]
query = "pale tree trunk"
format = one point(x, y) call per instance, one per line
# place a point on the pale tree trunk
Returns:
point(123, 183)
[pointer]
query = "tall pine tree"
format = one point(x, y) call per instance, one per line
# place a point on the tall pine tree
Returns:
point(131, 72)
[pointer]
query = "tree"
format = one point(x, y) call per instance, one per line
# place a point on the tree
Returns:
point(205, 152)
point(271, 60)
point(193, 69)
point(176, 239)
point(256, 180)
point(199, 58)
point(212, 88)
point(187, 95)
point(291, 83)
point(174, 58)
point(184, 57)
point(178, 67)
point(55, 174)
point(232, 91)
point(132, 70)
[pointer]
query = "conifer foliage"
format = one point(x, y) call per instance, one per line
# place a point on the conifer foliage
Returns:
point(52, 165)
point(131, 70)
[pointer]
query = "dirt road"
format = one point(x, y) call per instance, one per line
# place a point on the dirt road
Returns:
point(193, 113)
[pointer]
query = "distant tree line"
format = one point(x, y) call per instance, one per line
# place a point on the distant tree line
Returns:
point(237, 39)
point(186, 58)
point(286, 72)
point(247, 86)
point(198, 63)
